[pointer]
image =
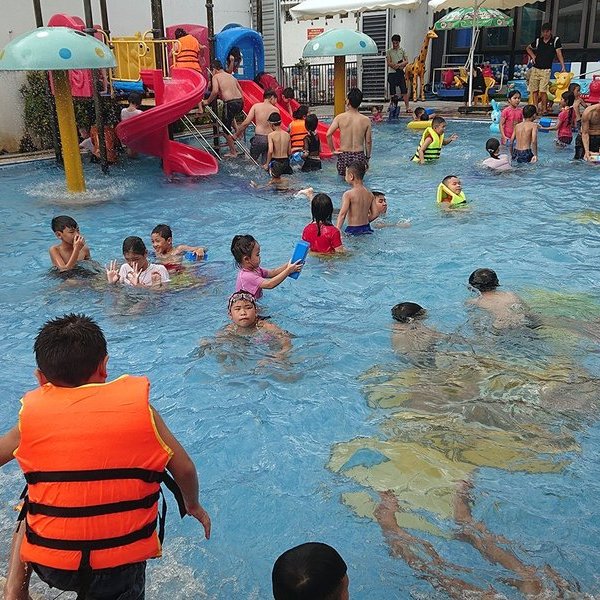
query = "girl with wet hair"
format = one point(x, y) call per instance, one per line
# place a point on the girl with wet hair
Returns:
point(496, 161)
point(321, 234)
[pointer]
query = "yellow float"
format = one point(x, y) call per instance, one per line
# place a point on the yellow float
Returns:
point(418, 125)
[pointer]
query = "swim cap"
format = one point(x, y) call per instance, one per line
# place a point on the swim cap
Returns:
point(241, 295)
point(274, 118)
point(406, 311)
point(484, 280)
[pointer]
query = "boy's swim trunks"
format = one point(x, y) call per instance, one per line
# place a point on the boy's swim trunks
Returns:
point(345, 159)
point(522, 156)
point(579, 149)
point(259, 147)
point(232, 109)
point(358, 229)
point(285, 163)
point(311, 164)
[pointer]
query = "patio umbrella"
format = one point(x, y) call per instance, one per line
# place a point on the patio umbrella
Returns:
point(313, 9)
point(472, 17)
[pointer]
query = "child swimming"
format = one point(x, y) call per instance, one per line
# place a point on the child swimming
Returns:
point(137, 271)
point(376, 114)
point(450, 192)
point(251, 277)
point(496, 161)
point(166, 254)
point(410, 336)
point(72, 247)
point(321, 234)
point(432, 141)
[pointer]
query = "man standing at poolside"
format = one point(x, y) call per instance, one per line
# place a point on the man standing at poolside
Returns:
point(588, 141)
point(542, 53)
point(396, 60)
point(226, 87)
point(355, 134)
point(259, 114)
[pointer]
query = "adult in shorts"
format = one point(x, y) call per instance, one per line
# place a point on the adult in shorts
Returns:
point(226, 87)
point(259, 114)
point(396, 60)
point(542, 52)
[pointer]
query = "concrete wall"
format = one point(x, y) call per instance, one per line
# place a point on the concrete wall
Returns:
point(125, 18)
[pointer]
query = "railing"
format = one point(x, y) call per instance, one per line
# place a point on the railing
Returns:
point(314, 84)
point(140, 52)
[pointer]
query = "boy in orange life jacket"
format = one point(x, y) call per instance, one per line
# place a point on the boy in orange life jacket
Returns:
point(103, 457)
point(297, 129)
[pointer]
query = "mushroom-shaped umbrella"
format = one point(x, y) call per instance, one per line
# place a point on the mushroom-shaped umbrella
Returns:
point(59, 49)
point(339, 43)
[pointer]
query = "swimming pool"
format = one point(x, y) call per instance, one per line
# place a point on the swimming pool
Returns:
point(298, 451)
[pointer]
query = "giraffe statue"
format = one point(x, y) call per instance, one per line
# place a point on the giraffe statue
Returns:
point(415, 71)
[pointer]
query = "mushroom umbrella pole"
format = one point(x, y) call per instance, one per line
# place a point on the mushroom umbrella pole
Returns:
point(339, 43)
point(59, 49)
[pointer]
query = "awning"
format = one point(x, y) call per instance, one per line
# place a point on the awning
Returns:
point(499, 4)
point(312, 9)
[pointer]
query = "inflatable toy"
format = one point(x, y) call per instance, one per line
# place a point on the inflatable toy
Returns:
point(455, 199)
point(418, 124)
point(496, 113)
point(545, 122)
point(594, 91)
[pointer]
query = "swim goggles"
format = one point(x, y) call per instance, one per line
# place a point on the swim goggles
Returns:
point(241, 295)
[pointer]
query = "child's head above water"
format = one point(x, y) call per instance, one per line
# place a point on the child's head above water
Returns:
point(380, 201)
point(242, 309)
point(453, 183)
point(135, 252)
point(312, 570)
point(301, 112)
point(438, 124)
point(62, 222)
point(529, 112)
point(245, 250)
point(162, 239)
point(321, 208)
point(69, 350)
point(484, 280)
point(355, 171)
point(514, 97)
point(493, 147)
point(405, 312)
point(311, 122)
point(419, 112)
point(274, 120)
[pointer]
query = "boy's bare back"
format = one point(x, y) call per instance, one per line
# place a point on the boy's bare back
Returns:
point(525, 135)
point(281, 143)
point(354, 130)
point(361, 203)
point(506, 307)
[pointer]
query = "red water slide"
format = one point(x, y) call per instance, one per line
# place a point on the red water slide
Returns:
point(253, 93)
point(148, 133)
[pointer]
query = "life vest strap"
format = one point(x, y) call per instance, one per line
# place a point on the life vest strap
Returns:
point(145, 475)
point(90, 545)
point(35, 508)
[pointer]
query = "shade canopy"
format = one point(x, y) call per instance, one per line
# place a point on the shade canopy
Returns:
point(313, 9)
point(55, 49)
point(500, 4)
point(339, 42)
point(467, 18)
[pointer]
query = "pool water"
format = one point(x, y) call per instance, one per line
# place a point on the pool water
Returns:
point(302, 449)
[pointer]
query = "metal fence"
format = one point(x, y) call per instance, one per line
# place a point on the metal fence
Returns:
point(314, 84)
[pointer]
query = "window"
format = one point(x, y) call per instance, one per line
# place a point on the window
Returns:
point(569, 21)
point(530, 24)
point(496, 38)
point(594, 39)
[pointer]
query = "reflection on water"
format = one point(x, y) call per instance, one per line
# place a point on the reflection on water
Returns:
point(454, 413)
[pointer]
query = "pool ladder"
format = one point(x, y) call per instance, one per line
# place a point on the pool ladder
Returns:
point(200, 135)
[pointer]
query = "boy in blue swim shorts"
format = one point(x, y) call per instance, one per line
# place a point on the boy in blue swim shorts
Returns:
point(525, 137)
point(358, 203)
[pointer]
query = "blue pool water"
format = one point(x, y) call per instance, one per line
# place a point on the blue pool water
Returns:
point(296, 451)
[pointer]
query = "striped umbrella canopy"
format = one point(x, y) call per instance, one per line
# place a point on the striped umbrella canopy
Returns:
point(471, 17)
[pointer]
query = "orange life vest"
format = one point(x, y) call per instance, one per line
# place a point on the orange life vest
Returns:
point(93, 461)
point(298, 132)
point(189, 53)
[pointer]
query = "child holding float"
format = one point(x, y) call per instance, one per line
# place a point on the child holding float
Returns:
point(171, 256)
point(251, 276)
point(566, 122)
point(432, 140)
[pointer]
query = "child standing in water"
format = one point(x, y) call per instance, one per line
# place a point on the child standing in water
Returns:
point(279, 146)
point(496, 161)
point(137, 271)
point(525, 136)
point(510, 116)
point(312, 145)
point(72, 247)
point(251, 277)
point(376, 114)
point(358, 203)
point(432, 141)
point(298, 129)
point(321, 234)
point(566, 122)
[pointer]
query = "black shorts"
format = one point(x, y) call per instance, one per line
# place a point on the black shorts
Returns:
point(397, 79)
point(285, 163)
point(579, 150)
point(127, 582)
point(259, 147)
point(232, 109)
point(311, 164)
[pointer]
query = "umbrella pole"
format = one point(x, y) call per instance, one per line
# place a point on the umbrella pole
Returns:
point(339, 85)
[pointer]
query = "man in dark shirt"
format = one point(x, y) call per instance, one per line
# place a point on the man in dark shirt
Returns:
point(542, 53)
